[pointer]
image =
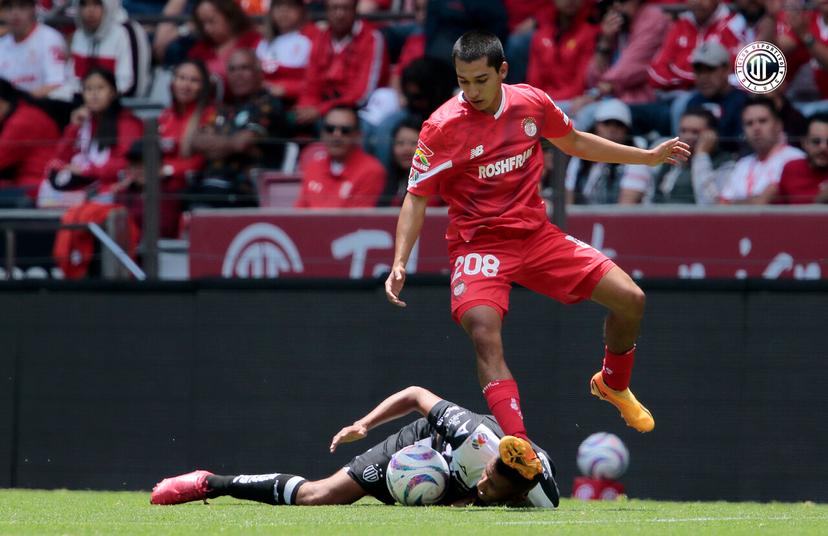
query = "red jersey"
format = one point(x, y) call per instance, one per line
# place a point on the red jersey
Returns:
point(800, 183)
point(27, 143)
point(487, 167)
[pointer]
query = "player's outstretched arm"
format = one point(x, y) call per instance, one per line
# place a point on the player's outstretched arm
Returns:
point(409, 224)
point(397, 405)
point(597, 149)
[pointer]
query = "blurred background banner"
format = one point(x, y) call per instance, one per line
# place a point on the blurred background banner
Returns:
point(768, 243)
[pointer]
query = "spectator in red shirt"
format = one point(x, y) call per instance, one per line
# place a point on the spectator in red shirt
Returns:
point(807, 34)
point(414, 46)
point(27, 140)
point(706, 20)
point(525, 16)
point(348, 62)
point(338, 173)
point(561, 50)
point(191, 110)
point(93, 149)
point(285, 52)
point(806, 180)
point(222, 27)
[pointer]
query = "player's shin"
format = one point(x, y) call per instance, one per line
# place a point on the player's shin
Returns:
point(275, 488)
point(504, 402)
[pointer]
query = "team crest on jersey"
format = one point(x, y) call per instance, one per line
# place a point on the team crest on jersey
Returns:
point(478, 441)
point(530, 128)
point(421, 157)
point(459, 288)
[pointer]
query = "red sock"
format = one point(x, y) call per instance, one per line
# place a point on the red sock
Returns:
point(504, 402)
point(618, 368)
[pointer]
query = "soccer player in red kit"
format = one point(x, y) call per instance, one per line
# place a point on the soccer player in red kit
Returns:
point(481, 152)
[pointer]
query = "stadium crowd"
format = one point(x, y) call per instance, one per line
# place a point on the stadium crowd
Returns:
point(330, 95)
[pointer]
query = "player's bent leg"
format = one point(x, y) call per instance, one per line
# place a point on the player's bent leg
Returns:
point(338, 488)
point(483, 324)
point(625, 301)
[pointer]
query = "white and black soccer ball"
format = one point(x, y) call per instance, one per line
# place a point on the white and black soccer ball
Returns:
point(603, 456)
point(417, 475)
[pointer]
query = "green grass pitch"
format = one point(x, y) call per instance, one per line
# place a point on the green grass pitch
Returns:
point(37, 512)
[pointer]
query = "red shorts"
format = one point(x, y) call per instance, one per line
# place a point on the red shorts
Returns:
point(547, 261)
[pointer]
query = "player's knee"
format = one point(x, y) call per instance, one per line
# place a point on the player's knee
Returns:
point(486, 338)
point(313, 494)
point(635, 301)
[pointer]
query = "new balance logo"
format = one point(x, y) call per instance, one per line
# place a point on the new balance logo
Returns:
point(477, 151)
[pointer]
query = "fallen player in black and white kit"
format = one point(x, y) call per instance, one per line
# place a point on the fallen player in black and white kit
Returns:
point(481, 460)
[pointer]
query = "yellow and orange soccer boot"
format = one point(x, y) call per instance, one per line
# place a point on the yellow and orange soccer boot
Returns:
point(632, 411)
point(518, 454)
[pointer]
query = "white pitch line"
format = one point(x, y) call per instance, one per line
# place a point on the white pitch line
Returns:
point(657, 520)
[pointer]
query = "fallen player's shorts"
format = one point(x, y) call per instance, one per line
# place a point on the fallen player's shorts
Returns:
point(368, 468)
point(547, 261)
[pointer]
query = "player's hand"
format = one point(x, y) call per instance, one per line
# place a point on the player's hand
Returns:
point(394, 285)
point(351, 433)
point(671, 152)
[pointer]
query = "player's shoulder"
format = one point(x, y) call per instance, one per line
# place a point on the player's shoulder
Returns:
point(529, 93)
point(449, 115)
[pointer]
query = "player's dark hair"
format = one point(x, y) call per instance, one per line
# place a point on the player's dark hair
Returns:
point(477, 44)
point(704, 113)
point(761, 100)
point(821, 117)
point(519, 484)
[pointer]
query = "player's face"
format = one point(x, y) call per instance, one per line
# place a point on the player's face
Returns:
point(481, 83)
point(492, 488)
point(816, 144)
point(762, 129)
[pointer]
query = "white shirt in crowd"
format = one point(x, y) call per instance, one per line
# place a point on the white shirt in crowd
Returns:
point(39, 60)
point(287, 50)
point(752, 176)
point(634, 177)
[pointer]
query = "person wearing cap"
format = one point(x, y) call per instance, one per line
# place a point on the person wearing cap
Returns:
point(32, 55)
point(601, 183)
point(712, 68)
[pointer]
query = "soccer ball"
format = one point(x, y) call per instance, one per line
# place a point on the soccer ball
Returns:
point(417, 475)
point(603, 456)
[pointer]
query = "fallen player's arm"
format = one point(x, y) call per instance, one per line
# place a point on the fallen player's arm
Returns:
point(397, 405)
point(587, 146)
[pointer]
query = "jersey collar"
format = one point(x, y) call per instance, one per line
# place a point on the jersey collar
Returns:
point(499, 112)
